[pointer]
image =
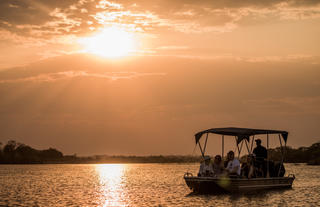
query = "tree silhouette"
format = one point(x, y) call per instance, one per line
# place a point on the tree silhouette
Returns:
point(18, 153)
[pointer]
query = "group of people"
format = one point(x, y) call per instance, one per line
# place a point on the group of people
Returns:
point(232, 167)
point(217, 168)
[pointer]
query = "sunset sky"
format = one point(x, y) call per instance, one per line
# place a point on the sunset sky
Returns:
point(142, 77)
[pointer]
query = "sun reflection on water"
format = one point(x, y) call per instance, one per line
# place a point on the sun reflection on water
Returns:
point(111, 183)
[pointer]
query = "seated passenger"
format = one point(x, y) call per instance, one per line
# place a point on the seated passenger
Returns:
point(218, 167)
point(248, 169)
point(233, 167)
point(206, 168)
point(245, 167)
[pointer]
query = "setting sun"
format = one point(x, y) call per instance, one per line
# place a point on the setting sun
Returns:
point(110, 42)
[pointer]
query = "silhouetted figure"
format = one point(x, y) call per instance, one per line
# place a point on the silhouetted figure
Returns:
point(260, 151)
point(261, 154)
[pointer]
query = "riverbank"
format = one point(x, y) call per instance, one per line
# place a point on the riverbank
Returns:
point(17, 153)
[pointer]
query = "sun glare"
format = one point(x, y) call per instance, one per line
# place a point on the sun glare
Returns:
point(111, 183)
point(110, 42)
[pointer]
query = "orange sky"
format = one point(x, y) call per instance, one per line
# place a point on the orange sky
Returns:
point(141, 77)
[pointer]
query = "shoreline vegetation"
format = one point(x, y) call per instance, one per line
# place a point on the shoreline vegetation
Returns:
point(18, 153)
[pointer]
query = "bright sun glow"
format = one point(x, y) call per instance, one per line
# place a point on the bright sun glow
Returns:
point(110, 42)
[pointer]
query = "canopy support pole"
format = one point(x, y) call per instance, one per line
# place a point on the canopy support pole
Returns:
point(222, 146)
point(240, 150)
point(235, 137)
point(246, 141)
point(282, 154)
point(280, 144)
point(205, 144)
point(252, 144)
point(202, 153)
point(268, 173)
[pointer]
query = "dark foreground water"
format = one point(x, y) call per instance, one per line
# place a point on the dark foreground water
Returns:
point(137, 185)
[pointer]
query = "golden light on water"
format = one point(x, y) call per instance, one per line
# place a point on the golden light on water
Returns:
point(110, 176)
point(111, 42)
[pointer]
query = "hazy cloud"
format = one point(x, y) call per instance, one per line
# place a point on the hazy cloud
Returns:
point(290, 105)
point(49, 18)
point(55, 24)
point(289, 58)
point(50, 77)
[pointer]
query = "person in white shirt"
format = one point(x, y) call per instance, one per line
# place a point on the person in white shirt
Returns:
point(233, 167)
point(206, 168)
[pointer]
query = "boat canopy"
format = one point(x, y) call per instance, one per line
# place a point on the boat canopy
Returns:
point(240, 133)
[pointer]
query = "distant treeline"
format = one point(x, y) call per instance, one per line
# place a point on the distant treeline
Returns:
point(17, 153)
point(310, 155)
point(137, 159)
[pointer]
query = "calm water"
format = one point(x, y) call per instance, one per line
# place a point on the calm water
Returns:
point(136, 185)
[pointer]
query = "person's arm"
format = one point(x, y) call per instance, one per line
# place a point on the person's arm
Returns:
point(254, 151)
point(200, 170)
point(227, 167)
point(236, 166)
point(235, 169)
point(251, 171)
point(211, 169)
point(222, 168)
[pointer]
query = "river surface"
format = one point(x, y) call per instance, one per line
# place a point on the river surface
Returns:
point(137, 185)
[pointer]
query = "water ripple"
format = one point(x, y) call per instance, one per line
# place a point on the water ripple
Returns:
point(137, 185)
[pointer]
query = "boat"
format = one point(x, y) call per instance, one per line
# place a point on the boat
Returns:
point(240, 184)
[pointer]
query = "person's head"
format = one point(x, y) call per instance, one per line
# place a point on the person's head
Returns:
point(258, 142)
point(207, 159)
point(230, 155)
point(217, 159)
